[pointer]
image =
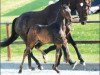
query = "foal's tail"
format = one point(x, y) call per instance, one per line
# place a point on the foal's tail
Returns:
point(12, 38)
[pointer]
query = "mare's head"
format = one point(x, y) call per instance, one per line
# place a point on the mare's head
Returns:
point(82, 7)
point(66, 13)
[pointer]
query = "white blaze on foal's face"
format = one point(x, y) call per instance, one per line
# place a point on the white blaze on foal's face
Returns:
point(81, 4)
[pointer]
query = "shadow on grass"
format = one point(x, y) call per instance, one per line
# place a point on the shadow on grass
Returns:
point(28, 7)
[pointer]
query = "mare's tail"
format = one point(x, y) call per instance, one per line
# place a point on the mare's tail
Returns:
point(12, 38)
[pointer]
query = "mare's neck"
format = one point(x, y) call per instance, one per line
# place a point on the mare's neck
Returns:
point(73, 5)
point(56, 24)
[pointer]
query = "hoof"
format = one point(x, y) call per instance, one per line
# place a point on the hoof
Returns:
point(40, 67)
point(32, 68)
point(20, 71)
point(45, 62)
point(74, 65)
point(56, 69)
point(82, 63)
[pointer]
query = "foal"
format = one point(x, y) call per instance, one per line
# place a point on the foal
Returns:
point(53, 33)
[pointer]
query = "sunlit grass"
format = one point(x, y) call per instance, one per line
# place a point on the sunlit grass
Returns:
point(10, 5)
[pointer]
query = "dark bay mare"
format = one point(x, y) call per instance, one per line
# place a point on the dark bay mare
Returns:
point(54, 33)
point(45, 17)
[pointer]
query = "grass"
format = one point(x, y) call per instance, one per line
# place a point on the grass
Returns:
point(17, 7)
point(90, 52)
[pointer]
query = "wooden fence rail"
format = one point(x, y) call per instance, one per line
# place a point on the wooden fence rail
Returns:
point(9, 52)
point(74, 21)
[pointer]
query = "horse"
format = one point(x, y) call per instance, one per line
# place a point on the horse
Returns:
point(45, 17)
point(54, 33)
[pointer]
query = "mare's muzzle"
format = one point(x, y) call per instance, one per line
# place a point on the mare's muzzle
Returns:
point(83, 22)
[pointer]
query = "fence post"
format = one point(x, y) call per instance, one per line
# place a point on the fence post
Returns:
point(8, 48)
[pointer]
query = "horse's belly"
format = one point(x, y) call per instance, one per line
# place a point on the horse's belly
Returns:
point(44, 37)
point(45, 40)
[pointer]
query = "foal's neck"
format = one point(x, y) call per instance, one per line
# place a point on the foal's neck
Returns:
point(59, 19)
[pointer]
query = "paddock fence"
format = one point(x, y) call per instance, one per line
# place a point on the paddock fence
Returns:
point(9, 51)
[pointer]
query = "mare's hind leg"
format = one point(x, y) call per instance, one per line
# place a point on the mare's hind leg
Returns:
point(37, 46)
point(30, 55)
point(29, 61)
point(70, 39)
point(36, 61)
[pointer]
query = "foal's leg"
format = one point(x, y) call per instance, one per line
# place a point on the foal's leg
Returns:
point(27, 50)
point(31, 41)
point(70, 39)
point(29, 55)
point(58, 57)
point(66, 53)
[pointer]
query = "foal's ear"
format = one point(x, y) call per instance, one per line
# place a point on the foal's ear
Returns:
point(62, 6)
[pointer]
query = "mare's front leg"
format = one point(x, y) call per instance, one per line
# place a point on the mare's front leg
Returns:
point(70, 39)
point(51, 48)
point(67, 56)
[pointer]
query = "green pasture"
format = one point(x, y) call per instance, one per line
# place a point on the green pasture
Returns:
point(13, 8)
